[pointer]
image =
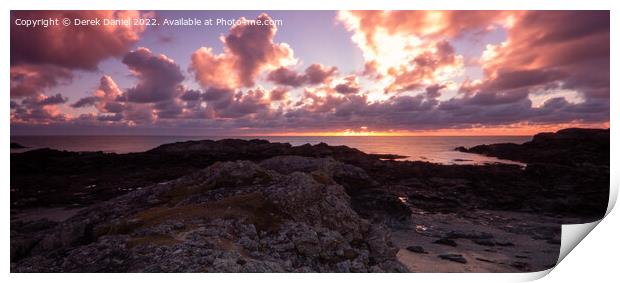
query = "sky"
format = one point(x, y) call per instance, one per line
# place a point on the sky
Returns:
point(310, 73)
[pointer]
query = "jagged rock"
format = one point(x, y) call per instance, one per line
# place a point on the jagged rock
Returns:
point(381, 206)
point(256, 206)
point(230, 217)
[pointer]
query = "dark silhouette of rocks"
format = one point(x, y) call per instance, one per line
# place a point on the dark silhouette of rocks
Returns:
point(255, 206)
point(15, 145)
point(573, 146)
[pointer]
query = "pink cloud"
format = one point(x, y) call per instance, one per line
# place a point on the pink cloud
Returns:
point(33, 80)
point(248, 50)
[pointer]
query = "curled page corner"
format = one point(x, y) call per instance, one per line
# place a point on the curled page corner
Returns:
point(573, 234)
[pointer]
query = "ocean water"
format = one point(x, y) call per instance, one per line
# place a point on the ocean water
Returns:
point(431, 149)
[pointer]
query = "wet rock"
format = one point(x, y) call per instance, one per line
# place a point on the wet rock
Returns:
point(504, 244)
point(485, 260)
point(417, 249)
point(469, 235)
point(484, 242)
point(521, 266)
point(381, 206)
point(453, 257)
point(446, 242)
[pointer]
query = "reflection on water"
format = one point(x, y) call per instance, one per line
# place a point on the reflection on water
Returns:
point(431, 149)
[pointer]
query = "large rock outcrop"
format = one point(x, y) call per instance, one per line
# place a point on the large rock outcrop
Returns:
point(230, 217)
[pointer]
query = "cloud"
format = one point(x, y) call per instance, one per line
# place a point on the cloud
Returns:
point(286, 76)
point(428, 68)
point(314, 74)
point(228, 103)
point(409, 50)
point(279, 94)
point(159, 77)
point(85, 102)
point(71, 47)
point(39, 109)
point(536, 71)
point(45, 57)
point(110, 118)
point(248, 50)
point(349, 85)
point(191, 95)
point(55, 99)
point(33, 80)
point(433, 91)
point(105, 98)
point(42, 100)
point(317, 73)
point(543, 51)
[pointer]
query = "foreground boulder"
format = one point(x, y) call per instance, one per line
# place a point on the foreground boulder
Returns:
point(230, 217)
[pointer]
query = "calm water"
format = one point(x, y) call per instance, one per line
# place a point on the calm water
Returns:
point(432, 149)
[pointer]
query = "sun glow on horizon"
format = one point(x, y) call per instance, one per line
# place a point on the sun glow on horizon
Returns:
point(512, 130)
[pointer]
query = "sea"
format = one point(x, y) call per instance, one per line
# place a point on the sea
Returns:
point(434, 149)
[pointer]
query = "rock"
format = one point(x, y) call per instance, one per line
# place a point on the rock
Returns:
point(380, 244)
point(567, 146)
point(521, 266)
point(15, 145)
point(381, 206)
point(256, 206)
point(417, 249)
point(474, 235)
point(446, 242)
point(453, 257)
point(484, 242)
point(485, 260)
point(230, 217)
point(461, 149)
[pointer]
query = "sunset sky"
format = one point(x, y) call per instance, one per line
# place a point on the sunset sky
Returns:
point(318, 73)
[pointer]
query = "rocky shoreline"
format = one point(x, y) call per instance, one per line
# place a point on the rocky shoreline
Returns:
point(256, 206)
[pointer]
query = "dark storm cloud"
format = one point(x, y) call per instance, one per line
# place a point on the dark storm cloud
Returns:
point(71, 47)
point(159, 77)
